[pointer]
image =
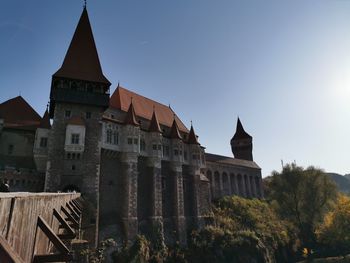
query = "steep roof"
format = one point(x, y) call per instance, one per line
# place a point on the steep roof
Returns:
point(143, 106)
point(240, 132)
point(192, 138)
point(154, 125)
point(209, 157)
point(130, 117)
point(174, 132)
point(17, 113)
point(81, 61)
point(45, 121)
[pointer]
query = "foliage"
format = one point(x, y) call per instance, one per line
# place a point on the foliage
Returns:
point(98, 255)
point(334, 232)
point(302, 196)
point(242, 230)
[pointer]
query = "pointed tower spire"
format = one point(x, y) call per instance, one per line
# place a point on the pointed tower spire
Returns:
point(81, 61)
point(154, 125)
point(131, 116)
point(240, 132)
point(174, 132)
point(192, 138)
point(45, 121)
point(242, 143)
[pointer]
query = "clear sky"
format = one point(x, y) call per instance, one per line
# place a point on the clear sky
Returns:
point(283, 67)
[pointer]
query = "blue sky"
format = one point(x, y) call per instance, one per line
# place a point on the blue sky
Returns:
point(283, 67)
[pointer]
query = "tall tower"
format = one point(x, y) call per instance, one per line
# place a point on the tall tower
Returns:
point(242, 143)
point(79, 95)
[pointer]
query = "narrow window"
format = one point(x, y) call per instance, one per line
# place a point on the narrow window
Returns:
point(10, 149)
point(167, 150)
point(185, 155)
point(109, 136)
point(154, 147)
point(136, 141)
point(142, 145)
point(176, 152)
point(129, 140)
point(75, 138)
point(43, 142)
point(73, 167)
point(88, 115)
point(67, 113)
point(115, 138)
point(159, 147)
point(163, 183)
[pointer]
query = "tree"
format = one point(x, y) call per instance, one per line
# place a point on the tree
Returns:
point(302, 196)
point(334, 232)
point(242, 230)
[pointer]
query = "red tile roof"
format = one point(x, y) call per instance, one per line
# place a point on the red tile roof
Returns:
point(143, 106)
point(17, 113)
point(81, 61)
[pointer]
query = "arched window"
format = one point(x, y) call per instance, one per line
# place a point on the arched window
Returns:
point(225, 184)
point(217, 185)
point(233, 184)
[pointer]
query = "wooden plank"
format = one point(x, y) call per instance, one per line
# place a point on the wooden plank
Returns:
point(11, 254)
point(64, 225)
point(59, 245)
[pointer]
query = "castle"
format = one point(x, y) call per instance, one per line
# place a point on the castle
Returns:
point(134, 161)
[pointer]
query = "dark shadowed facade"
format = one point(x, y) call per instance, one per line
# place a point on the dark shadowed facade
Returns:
point(132, 158)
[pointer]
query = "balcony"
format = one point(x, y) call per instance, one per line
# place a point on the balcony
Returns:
point(81, 97)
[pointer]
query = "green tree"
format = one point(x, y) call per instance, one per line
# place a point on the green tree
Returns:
point(242, 230)
point(302, 196)
point(334, 232)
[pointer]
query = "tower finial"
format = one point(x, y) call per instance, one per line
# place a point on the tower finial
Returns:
point(84, 3)
point(191, 122)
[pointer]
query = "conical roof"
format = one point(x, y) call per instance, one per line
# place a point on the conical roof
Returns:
point(240, 132)
point(192, 138)
point(81, 61)
point(45, 121)
point(130, 117)
point(154, 125)
point(174, 132)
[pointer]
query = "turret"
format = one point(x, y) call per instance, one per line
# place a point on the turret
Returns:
point(131, 130)
point(155, 137)
point(80, 79)
point(242, 143)
point(194, 148)
point(176, 142)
